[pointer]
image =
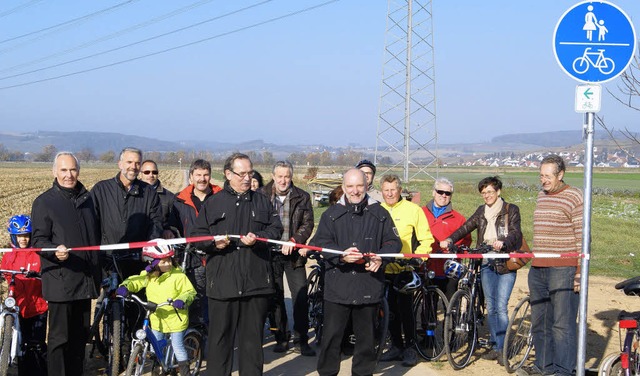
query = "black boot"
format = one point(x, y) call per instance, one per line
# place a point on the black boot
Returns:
point(183, 367)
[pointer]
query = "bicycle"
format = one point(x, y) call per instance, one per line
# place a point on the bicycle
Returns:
point(429, 308)
point(627, 361)
point(465, 310)
point(10, 334)
point(518, 340)
point(604, 64)
point(149, 354)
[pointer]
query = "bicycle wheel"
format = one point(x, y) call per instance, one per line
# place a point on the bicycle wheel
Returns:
point(7, 337)
point(194, 345)
point(580, 65)
point(518, 340)
point(606, 66)
point(94, 331)
point(429, 310)
point(460, 332)
point(381, 328)
point(136, 361)
point(610, 366)
point(316, 301)
point(112, 336)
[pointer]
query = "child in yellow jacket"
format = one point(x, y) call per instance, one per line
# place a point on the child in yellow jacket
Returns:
point(164, 280)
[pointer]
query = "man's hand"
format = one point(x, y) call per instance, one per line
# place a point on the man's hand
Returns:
point(222, 243)
point(351, 255)
point(576, 283)
point(445, 244)
point(497, 245)
point(287, 249)
point(303, 251)
point(249, 239)
point(374, 263)
point(168, 234)
point(62, 253)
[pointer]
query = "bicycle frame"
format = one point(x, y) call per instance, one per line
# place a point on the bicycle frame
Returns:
point(8, 307)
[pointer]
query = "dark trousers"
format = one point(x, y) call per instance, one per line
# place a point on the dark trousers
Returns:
point(401, 318)
point(198, 311)
point(242, 317)
point(68, 333)
point(34, 346)
point(336, 317)
point(297, 280)
point(447, 285)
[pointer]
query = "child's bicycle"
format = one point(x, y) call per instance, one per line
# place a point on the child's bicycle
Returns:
point(149, 354)
point(627, 361)
point(10, 335)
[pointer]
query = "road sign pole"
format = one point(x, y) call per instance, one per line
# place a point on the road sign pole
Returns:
point(586, 245)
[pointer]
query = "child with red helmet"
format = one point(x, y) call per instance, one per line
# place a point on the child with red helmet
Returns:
point(28, 295)
point(164, 280)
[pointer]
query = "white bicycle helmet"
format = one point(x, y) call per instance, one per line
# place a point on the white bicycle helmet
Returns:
point(454, 269)
point(407, 282)
point(157, 252)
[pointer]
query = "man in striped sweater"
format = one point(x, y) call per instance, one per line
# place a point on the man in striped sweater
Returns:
point(555, 282)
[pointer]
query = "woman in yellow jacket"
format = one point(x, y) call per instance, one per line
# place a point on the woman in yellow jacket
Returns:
point(164, 280)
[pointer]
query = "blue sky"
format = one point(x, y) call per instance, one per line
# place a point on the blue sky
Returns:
point(310, 78)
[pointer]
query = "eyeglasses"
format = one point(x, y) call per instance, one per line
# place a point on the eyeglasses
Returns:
point(443, 193)
point(244, 174)
point(547, 177)
point(154, 172)
point(488, 193)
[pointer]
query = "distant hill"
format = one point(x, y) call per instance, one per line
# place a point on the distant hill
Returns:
point(546, 139)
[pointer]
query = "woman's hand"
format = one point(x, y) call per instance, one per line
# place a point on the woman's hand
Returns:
point(498, 244)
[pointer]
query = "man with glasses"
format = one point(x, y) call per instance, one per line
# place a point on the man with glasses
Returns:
point(554, 283)
point(239, 276)
point(149, 174)
point(369, 170)
point(443, 221)
point(294, 208)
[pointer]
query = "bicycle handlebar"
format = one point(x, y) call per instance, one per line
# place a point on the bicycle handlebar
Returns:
point(481, 249)
point(26, 273)
point(149, 306)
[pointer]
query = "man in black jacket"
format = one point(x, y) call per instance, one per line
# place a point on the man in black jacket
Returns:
point(129, 210)
point(239, 276)
point(63, 217)
point(149, 174)
point(354, 282)
point(293, 206)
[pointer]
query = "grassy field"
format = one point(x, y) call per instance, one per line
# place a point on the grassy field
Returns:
point(615, 248)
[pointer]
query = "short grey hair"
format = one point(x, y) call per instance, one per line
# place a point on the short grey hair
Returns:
point(285, 164)
point(390, 178)
point(130, 150)
point(442, 181)
point(62, 153)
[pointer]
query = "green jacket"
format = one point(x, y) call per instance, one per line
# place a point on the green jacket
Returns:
point(173, 284)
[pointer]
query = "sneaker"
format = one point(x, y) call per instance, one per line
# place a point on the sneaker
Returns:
point(409, 357)
point(393, 353)
point(532, 370)
point(491, 355)
point(304, 350)
point(281, 347)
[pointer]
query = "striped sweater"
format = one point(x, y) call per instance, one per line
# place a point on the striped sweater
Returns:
point(557, 226)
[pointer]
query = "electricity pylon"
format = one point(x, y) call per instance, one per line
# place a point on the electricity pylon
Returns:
point(407, 133)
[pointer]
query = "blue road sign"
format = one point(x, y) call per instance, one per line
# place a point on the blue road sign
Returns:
point(594, 41)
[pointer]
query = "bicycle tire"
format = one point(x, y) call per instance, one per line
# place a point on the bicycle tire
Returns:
point(316, 303)
point(580, 65)
point(94, 331)
point(114, 339)
point(194, 344)
point(518, 340)
point(460, 331)
point(429, 310)
point(381, 329)
point(137, 361)
point(7, 337)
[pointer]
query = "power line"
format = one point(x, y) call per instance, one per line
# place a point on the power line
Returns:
point(59, 29)
point(271, 20)
point(107, 37)
point(66, 22)
point(18, 8)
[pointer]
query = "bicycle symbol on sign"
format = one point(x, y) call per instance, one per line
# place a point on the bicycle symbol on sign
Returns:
point(604, 64)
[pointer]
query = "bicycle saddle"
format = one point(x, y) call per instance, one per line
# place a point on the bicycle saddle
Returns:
point(624, 315)
point(630, 287)
point(623, 284)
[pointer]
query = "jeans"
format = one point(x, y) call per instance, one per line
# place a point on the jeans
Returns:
point(497, 290)
point(177, 343)
point(554, 310)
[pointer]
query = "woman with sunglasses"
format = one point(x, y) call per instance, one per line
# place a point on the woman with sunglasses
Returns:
point(498, 224)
